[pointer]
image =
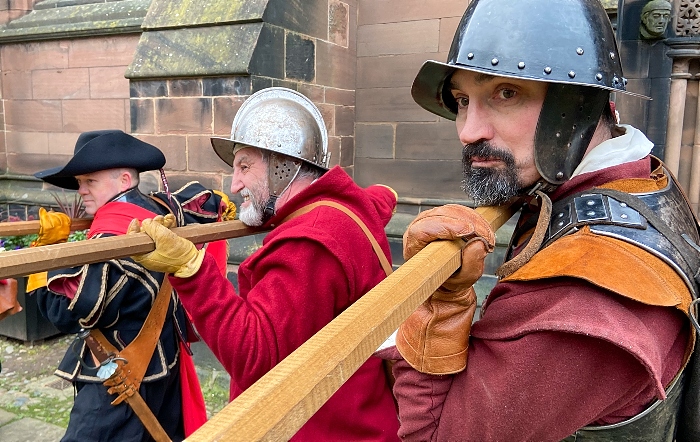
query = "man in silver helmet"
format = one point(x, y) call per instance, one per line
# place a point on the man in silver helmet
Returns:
point(326, 248)
point(586, 335)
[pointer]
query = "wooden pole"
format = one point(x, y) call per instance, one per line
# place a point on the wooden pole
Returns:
point(16, 228)
point(275, 407)
point(58, 256)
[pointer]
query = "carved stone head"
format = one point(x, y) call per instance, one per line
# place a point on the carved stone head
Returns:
point(655, 17)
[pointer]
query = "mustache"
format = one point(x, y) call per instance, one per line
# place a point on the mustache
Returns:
point(485, 150)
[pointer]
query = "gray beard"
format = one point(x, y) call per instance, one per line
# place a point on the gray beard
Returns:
point(487, 186)
point(251, 216)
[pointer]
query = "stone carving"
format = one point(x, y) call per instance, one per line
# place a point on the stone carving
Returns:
point(688, 21)
point(655, 17)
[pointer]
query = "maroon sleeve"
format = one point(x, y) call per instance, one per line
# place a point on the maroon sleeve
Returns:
point(544, 361)
point(528, 389)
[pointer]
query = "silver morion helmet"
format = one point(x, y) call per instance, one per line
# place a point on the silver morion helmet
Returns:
point(287, 125)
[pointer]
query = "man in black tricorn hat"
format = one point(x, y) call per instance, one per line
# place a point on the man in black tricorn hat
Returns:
point(109, 302)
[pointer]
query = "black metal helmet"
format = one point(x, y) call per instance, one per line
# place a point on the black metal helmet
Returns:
point(567, 43)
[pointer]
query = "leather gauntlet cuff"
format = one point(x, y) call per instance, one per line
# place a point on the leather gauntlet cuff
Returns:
point(435, 338)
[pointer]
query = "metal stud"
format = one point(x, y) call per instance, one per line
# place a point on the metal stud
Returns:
point(572, 74)
point(599, 76)
point(470, 55)
point(590, 213)
point(579, 51)
point(494, 61)
point(623, 204)
point(521, 65)
point(560, 175)
point(612, 55)
point(547, 70)
point(560, 215)
point(623, 216)
point(590, 203)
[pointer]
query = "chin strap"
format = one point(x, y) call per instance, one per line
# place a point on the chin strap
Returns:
point(269, 210)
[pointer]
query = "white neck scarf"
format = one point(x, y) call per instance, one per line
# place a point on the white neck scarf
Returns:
point(631, 146)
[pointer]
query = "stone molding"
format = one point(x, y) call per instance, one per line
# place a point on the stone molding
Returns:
point(59, 19)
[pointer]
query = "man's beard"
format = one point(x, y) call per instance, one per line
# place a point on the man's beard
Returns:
point(489, 186)
point(253, 214)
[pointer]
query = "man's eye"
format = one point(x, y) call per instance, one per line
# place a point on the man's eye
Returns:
point(507, 93)
point(462, 101)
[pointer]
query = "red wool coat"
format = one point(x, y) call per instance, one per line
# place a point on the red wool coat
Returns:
point(308, 271)
point(549, 357)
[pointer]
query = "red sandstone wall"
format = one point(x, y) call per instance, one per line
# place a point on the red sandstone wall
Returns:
point(417, 151)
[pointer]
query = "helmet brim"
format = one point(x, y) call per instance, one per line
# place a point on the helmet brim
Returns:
point(223, 147)
point(428, 86)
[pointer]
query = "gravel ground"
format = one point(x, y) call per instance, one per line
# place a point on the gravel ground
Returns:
point(28, 388)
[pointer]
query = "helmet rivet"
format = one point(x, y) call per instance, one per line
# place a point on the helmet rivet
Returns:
point(598, 76)
point(494, 61)
point(579, 51)
point(572, 74)
point(624, 81)
point(470, 55)
point(560, 175)
point(521, 65)
point(547, 70)
point(612, 55)
point(558, 134)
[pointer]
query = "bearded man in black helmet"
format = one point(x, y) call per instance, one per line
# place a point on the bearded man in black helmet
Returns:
point(586, 335)
point(110, 301)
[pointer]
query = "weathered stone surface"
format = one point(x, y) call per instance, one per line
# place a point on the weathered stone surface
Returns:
point(417, 179)
point(227, 86)
point(300, 58)
point(374, 140)
point(252, 48)
point(77, 20)
point(142, 116)
point(148, 89)
point(308, 17)
point(178, 13)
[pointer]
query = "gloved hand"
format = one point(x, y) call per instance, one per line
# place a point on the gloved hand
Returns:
point(173, 254)
point(435, 338)
point(228, 211)
point(54, 228)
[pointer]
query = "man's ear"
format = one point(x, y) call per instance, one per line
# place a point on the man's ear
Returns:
point(125, 180)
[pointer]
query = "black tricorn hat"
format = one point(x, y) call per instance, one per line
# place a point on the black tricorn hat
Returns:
point(100, 150)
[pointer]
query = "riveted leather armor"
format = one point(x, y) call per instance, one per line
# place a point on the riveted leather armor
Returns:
point(650, 221)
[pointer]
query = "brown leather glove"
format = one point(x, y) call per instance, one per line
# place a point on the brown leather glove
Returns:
point(434, 339)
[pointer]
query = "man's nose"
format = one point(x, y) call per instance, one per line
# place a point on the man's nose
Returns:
point(474, 125)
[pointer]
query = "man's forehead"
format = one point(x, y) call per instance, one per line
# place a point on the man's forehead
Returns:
point(244, 152)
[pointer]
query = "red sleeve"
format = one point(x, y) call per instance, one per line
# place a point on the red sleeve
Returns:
point(296, 285)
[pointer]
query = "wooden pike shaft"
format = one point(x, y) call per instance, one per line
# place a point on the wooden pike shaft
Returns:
point(29, 227)
point(275, 407)
point(58, 256)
